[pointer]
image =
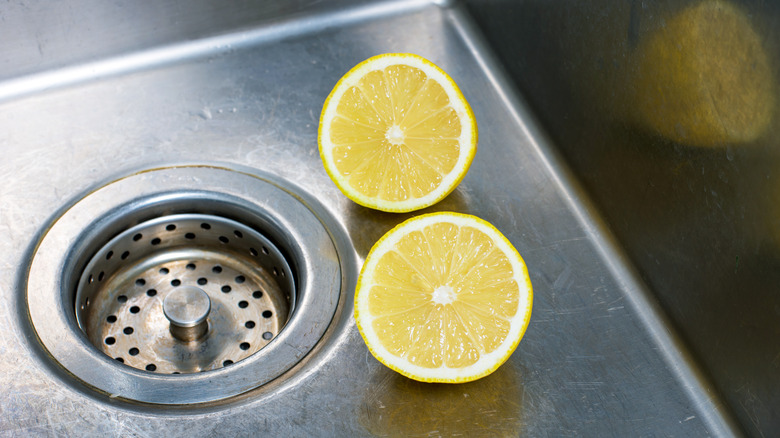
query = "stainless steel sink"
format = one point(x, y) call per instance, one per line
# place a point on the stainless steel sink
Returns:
point(104, 103)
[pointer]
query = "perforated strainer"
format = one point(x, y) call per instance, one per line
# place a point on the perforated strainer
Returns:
point(185, 293)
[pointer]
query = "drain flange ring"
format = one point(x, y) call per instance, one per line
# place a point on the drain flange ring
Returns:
point(265, 206)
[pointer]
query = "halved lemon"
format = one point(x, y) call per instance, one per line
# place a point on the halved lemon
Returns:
point(396, 133)
point(443, 297)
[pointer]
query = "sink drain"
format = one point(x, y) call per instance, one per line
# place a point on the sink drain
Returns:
point(150, 290)
point(184, 294)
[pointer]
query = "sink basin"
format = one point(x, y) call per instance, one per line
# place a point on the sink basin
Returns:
point(628, 337)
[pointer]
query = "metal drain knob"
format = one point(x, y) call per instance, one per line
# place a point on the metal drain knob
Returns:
point(187, 309)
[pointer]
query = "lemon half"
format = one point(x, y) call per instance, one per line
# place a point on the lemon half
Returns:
point(443, 297)
point(396, 133)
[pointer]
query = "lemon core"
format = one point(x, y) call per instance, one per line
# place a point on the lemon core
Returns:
point(395, 135)
point(443, 295)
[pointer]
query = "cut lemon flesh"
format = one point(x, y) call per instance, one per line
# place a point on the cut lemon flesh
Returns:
point(396, 134)
point(443, 297)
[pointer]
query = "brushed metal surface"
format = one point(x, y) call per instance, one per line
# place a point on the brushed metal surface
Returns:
point(597, 359)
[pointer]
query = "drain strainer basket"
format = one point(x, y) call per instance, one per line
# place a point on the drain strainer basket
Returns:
point(151, 290)
point(185, 294)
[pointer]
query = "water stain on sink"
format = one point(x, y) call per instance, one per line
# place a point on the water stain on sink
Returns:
point(397, 406)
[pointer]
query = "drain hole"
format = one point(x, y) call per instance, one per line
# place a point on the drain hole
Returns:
point(110, 340)
point(151, 367)
point(276, 271)
point(240, 279)
point(128, 330)
point(119, 359)
point(226, 288)
point(101, 276)
point(267, 314)
point(89, 280)
point(202, 281)
point(140, 282)
point(266, 225)
point(267, 336)
point(191, 266)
